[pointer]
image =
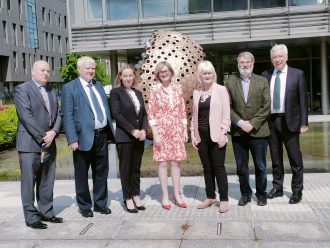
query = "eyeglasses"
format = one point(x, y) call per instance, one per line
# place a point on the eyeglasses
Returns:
point(164, 72)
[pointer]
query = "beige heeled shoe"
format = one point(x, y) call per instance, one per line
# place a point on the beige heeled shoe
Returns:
point(224, 206)
point(207, 203)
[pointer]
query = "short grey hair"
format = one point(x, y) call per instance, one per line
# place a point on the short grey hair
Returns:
point(85, 59)
point(279, 48)
point(245, 55)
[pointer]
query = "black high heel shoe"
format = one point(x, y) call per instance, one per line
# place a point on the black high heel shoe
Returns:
point(129, 210)
point(141, 208)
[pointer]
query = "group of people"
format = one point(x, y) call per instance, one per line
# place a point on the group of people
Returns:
point(255, 110)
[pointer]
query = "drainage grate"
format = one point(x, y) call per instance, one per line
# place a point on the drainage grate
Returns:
point(86, 229)
point(219, 228)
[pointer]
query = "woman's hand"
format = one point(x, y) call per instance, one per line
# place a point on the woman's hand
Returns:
point(193, 142)
point(222, 140)
point(142, 135)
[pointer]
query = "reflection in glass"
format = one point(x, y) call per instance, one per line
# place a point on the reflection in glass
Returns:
point(157, 8)
point(94, 9)
point(118, 9)
point(258, 4)
point(224, 5)
point(193, 6)
point(304, 2)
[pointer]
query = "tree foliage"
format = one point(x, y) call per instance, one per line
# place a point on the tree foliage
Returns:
point(70, 72)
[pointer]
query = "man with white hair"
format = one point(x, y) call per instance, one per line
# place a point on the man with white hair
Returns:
point(289, 119)
point(88, 128)
point(249, 110)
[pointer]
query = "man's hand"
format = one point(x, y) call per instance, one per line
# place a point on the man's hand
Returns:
point(49, 137)
point(193, 141)
point(74, 146)
point(246, 126)
point(303, 129)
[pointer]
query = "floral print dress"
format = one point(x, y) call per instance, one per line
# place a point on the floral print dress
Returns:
point(166, 110)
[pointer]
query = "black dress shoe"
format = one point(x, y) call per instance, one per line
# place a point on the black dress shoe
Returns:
point(141, 208)
point(243, 201)
point(262, 201)
point(86, 213)
point(295, 198)
point(102, 210)
point(274, 193)
point(130, 210)
point(37, 225)
point(52, 219)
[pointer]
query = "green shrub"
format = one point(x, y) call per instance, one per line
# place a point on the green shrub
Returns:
point(8, 125)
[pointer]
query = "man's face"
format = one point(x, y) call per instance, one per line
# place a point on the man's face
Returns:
point(87, 71)
point(41, 72)
point(245, 66)
point(279, 60)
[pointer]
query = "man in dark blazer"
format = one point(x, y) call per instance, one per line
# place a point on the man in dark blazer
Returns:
point(88, 127)
point(249, 110)
point(289, 119)
point(39, 122)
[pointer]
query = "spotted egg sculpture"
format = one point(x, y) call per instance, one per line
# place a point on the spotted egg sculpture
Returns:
point(182, 53)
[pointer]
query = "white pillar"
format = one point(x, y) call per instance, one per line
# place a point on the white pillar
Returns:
point(324, 77)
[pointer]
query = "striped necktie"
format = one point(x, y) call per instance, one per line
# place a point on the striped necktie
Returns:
point(277, 92)
point(96, 104)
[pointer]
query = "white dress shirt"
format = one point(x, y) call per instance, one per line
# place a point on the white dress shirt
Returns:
point(98, 124)
point(282, 76)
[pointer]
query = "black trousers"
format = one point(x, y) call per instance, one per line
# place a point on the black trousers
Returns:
point(213, 160)
point(130, 157)
point(97, 159)
point(279, 135)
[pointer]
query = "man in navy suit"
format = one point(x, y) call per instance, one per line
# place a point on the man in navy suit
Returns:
point(39, 122)
point(289, 119)
point(88, 127)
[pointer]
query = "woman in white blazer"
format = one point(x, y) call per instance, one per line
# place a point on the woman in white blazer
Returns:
point(209, 127)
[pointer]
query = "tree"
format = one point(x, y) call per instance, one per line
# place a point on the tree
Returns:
point(70, 72)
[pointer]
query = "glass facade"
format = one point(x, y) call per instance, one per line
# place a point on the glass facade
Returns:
point(224, 5)
point(118, 9)
point(94, 9)
point(153, 8)
point(305, 2)
point(258, 4)
point(193, 6)
point(31, 24)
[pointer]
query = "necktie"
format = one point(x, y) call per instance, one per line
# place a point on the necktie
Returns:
point(96, 104)
point(277, 92)
point(45, 97)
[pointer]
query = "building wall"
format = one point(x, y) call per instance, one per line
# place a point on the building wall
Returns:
point(18, 52)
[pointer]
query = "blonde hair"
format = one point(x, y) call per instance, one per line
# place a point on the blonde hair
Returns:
point(206, 66)
point(160, 66)
point(120, 72)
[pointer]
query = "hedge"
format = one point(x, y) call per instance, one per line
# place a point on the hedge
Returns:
point(8, 125)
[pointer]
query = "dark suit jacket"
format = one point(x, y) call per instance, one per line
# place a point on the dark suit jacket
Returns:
point(296, 103)
point(33, 116)
point(257, 108)
point(123, 112)
point(78, 116)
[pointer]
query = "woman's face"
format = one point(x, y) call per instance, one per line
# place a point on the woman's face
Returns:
point(127, 78)
point(165, 74)
point(207, 77)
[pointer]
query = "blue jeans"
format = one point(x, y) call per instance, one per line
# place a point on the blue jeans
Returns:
point(258, 148)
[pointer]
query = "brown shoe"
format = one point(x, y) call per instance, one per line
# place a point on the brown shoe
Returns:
point(224, 206)
point(207, 203)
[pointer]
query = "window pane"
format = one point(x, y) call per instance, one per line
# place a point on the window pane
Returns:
point(304, 2)
point(94, 9)
point(194, 6)
point(224, 5)
point(157, 8)
point(119, 9)
point(258, 4)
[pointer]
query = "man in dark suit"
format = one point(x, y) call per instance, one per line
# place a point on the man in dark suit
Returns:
point(39, 121)
point(249, 110)
point(88, 127)
point(289, 119)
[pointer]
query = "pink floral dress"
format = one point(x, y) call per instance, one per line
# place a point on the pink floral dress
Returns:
point(166, 110)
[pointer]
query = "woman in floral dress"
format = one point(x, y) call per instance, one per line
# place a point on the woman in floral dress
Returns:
point(168, 122)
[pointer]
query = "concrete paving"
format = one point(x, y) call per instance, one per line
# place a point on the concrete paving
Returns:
point(278, 224)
